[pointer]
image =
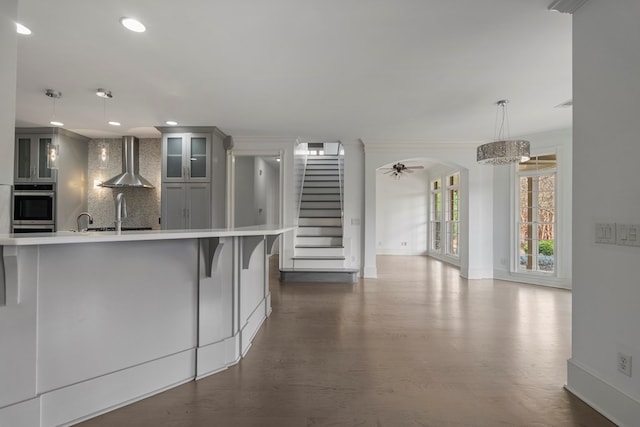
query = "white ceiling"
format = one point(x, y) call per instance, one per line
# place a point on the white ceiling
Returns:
point(338, 69)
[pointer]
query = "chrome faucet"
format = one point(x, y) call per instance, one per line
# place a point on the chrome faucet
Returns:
point(121, 211)
point(88, 215)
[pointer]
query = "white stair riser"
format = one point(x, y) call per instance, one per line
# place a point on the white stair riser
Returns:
point(327, 204)
point(319, 252)
point(312, 159)
point(329, 178)
point(319, 240)
point(322, 171)
point(315, 263)
point(332, 184)
point(321, 197)
point(335, 191)
point(320, 231)
point(320, 213)
point(320, 221)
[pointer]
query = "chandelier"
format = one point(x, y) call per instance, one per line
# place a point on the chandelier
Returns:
point(503, 151)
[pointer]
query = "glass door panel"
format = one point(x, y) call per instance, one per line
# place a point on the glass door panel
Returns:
point(174, 157)
point(23, 168)
point(43, 152)
point(198, 157)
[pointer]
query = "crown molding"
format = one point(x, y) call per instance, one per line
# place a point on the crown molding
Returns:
point(566, 6)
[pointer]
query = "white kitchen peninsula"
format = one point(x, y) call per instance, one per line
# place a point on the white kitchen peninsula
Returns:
point(93, 321)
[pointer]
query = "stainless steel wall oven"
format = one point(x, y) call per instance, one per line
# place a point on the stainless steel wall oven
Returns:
point(34, 208)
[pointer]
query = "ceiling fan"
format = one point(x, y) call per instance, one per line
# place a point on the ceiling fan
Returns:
point(398, 169)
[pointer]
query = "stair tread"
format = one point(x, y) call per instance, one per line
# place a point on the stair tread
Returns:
point(322, 269)
point(321, 246)
point(332, 217)
point(319, 235)
point(319, 257)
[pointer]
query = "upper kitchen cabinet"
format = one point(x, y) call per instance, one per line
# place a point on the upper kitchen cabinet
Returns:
point(186, 157)
point(194, 156)
point(31, 158)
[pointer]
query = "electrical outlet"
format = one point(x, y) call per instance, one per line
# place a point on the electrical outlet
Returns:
point(624, 364)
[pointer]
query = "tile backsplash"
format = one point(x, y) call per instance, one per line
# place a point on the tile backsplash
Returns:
point(143, 205)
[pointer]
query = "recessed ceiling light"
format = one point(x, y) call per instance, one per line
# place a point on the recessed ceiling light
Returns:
point(103, 93)
point(112, 123)
point(21, 29)
point(171, 122)
point(133, 25)
point(56, 123)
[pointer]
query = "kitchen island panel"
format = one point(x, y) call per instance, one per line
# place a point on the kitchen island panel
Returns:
point(253, 298)
point(216, 294)
point(18, 334)
point(107, 306)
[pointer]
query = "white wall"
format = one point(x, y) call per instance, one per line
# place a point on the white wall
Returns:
point(606, 286)
point(267, 195)
point(244, 191)
point(402, 214)
point(8, 61)
point(560, 143)
point(353, 203)
point(256, 192)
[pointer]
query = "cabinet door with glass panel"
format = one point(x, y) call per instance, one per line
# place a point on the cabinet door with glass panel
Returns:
point(31, 159)
point(185, 157)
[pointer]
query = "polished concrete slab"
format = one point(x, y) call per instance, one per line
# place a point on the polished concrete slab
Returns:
point(419, 346)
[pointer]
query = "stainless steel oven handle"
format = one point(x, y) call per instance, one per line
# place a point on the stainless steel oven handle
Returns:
point(34, 193)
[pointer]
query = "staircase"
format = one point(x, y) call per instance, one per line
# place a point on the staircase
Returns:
point(319, 251)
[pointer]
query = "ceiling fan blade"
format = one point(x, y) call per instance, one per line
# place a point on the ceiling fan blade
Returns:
point(388, 172)
point(415, 167)
point(408, 171)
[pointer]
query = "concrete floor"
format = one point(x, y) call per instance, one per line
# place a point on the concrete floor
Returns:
point(419, 346)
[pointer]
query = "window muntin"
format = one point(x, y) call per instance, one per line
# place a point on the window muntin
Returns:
point(452, 214)
point(436, 215)
point(536, 221)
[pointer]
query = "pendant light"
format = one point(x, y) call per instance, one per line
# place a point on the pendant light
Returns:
point(53, 149)
point(103, 147)
point(503, 151)
point(54, 94)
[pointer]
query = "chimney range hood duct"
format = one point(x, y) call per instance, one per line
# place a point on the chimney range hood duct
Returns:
point(130, 176)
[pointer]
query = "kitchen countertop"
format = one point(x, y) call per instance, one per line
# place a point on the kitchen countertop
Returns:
point(66, 237)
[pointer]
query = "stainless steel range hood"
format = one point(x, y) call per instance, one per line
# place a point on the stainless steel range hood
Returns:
point(130, 177)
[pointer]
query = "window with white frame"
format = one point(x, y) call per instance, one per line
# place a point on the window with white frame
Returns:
point(536, 215)
point(452, 217)
point(436, 215)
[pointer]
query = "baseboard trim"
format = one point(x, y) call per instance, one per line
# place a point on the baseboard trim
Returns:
point(618, 407)
point(371, 272)
point(552, 282)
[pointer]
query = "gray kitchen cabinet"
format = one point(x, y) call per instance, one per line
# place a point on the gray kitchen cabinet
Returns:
point(193, 177)
point(186, 206)
point(186, 157)
point(31, 159)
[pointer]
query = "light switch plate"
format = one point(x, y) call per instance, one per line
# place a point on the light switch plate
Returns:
point(628, 234)
point(606, 233)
